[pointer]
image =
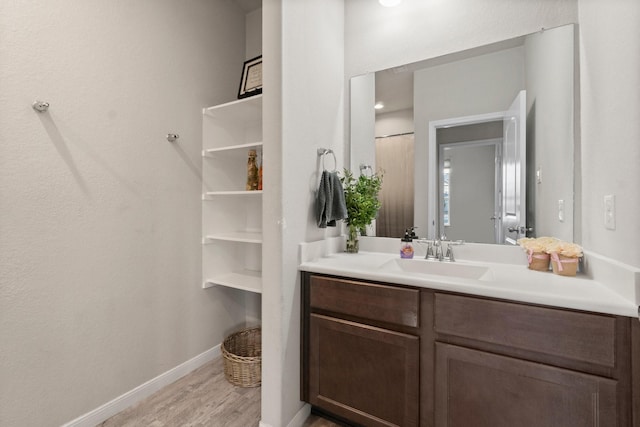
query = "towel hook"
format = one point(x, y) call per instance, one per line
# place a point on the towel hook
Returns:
point(364, 167)
point(323, 152)
point(40, 106)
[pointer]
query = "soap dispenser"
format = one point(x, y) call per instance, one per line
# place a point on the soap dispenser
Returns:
point(406, 244)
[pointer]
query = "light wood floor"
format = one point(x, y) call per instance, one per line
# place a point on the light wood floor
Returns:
point(203, 398)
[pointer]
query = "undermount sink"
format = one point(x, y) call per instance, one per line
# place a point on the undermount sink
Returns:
point(439, 268)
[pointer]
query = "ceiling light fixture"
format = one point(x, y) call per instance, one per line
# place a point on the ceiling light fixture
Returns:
point(390, 3)
point(378, 106)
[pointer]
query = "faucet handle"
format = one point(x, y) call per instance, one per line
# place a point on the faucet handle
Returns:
point(449, 254)
point(439, 254)
point(430, 254)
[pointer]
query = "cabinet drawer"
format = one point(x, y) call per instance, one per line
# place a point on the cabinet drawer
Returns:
point(571, 335)
point(367, 301)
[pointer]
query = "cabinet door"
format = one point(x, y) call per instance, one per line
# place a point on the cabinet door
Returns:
point(365, 374)
point(479, 389)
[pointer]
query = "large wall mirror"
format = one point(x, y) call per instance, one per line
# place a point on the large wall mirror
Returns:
point(475, 145)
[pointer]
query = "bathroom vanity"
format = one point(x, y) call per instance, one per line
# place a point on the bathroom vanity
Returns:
point(377, 353)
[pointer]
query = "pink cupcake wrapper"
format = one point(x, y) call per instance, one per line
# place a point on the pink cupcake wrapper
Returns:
point(559, 262)
point(530, 256)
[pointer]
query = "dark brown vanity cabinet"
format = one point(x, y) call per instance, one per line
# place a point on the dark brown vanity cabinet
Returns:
point(500, 364)
point(384, 355)
point(361, 351)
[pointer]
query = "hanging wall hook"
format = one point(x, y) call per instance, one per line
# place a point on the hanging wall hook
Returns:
point(364, 168)
point(172, 137)
point(40, 107)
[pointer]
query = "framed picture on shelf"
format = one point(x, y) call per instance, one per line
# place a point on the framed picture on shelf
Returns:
point(251, 82)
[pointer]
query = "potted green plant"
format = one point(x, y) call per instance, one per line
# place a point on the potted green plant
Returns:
point(361, 198)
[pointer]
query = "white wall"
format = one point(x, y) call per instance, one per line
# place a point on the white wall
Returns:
point(100, 264)
point(303, 100)
point(394, 123)
point(377, 37)
point(549, 65)
point(253, 43)
point(610, 102)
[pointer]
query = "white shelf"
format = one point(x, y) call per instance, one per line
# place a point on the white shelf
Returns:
point(211, 151)
point(245, 110)
point(246, 280)
point(231, 215)
point(209, 194)
point(238, 236)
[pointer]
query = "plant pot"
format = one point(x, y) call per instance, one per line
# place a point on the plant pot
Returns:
point(352, 240)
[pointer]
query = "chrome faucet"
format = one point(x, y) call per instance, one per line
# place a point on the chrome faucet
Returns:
point(439, 254)
point(435, 248)
point(449, 256)
point(430, 244)
point(430, 254)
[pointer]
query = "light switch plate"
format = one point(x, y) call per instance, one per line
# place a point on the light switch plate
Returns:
point(561, 210)
point(610, 212)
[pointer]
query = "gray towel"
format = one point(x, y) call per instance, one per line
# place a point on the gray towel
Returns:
point(330, 204)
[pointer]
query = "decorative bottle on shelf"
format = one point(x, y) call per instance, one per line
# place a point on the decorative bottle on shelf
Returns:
point(252, 171)
point(260, 176)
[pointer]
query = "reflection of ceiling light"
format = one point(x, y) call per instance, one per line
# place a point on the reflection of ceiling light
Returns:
point(378, 106)
point(389, 3)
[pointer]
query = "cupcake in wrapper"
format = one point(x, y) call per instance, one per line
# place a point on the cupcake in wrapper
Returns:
point(538, 261)
point(565, 258)
point(537, 256)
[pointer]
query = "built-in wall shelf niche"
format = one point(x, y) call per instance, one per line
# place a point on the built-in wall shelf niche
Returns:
point(231, 215)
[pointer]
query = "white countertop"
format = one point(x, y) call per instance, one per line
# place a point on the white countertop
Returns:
point(509, 279)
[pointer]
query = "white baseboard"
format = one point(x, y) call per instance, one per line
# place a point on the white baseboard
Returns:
point(301, 416)
point(297, 421)
point(100, 414)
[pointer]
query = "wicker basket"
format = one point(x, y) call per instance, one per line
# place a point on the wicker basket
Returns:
point(242, 352)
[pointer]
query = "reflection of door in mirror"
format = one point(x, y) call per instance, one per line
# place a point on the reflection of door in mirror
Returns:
point(481, 194)
point(395, 159)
